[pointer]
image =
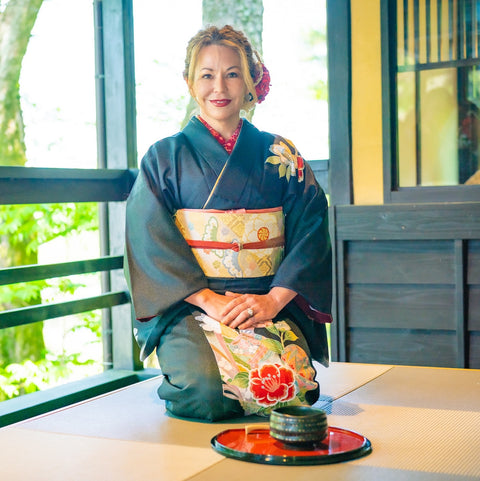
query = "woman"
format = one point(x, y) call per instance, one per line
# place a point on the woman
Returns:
point(227, 249)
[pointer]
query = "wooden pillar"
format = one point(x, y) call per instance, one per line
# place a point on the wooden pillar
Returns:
point(116, 127)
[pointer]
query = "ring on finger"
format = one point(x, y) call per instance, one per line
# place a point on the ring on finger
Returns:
point(250, 312)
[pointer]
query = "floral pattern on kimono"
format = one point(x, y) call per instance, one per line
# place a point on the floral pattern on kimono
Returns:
point(290, 162)
point(262, 373)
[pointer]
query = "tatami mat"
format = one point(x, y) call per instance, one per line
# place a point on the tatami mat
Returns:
point(423, 424)
point(421, 439)
point(136, 412)
point(436, 388)
point(40, 456)
point(341, 378)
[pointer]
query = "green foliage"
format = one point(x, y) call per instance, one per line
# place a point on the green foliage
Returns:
point(31, 225)
point(21, 294)
point(26, 377)
point(18, 379)
point(23, 229)
point(92, 322)
point(316, 41)
point(320, 90)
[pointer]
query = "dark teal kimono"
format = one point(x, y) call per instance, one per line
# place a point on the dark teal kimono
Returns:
point(180, 172)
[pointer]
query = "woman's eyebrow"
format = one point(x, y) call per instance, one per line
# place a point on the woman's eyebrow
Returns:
point(229, 68)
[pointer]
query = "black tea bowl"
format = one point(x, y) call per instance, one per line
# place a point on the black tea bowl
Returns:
point(298, 427)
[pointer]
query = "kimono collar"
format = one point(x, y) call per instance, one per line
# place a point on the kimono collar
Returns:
point(233, 172)
point(229, 144)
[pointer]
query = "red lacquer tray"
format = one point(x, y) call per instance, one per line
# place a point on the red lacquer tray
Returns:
point(257, 446)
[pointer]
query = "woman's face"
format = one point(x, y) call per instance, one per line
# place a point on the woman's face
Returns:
point(219, 87)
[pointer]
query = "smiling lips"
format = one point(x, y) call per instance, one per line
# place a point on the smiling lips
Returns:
point(220, 102)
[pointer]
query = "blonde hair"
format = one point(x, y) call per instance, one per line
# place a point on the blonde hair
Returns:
point(227, 36)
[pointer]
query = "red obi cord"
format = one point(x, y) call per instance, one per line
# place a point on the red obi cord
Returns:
point(237, 246)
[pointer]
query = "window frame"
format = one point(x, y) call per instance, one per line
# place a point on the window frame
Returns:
point(393, 193)
point(109, 185)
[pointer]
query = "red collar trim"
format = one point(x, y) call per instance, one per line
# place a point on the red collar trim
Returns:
point(229, 144)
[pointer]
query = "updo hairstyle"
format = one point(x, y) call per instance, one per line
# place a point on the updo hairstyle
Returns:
point(227, 36)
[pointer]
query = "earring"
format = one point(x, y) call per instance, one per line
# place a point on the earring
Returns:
point(250, 96)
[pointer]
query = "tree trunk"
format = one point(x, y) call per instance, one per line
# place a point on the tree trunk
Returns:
point(244, 15)
point(16, 23)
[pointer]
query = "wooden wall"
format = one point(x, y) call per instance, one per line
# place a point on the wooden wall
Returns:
point(408, 284)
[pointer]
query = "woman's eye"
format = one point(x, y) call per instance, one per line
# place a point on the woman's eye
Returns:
point(207, 75)
point(232, 75)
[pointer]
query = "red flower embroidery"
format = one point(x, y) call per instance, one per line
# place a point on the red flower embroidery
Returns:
point(272, 383)
point(300, 167)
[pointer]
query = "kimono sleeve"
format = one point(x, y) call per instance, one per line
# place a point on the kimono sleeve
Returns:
point(307, 266)
point(160, 267)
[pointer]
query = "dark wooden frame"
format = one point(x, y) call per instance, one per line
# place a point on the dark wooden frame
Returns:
point(22, 185)
point(340, 186)
point(392, 192)
point(339, 104)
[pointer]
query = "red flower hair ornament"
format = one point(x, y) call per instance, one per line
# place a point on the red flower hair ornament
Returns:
point(262, 84)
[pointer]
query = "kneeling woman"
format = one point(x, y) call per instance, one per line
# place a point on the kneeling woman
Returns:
point(227, 249)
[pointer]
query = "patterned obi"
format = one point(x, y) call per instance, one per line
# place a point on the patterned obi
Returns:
point(234, 243)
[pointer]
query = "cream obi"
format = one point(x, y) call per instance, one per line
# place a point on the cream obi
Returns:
point(234, 243)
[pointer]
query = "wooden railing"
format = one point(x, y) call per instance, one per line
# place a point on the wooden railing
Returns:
point(20, 185)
